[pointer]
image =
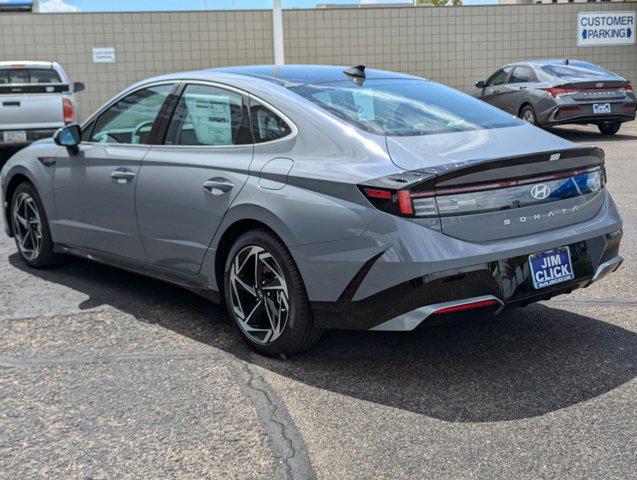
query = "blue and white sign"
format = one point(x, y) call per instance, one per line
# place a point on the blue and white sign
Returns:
point(605, 28)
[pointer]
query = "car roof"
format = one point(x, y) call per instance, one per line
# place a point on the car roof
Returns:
point(304, 74)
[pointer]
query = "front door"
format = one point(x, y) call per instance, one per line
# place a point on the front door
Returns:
point(94, 190)
point(187, 184)
point(495, 87)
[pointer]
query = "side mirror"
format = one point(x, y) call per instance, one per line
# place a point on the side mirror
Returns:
point(480, 84)
point(79, 87)
point(69, 137)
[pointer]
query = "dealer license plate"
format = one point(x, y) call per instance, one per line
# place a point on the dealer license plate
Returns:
point(551, 267)
point(601, 108)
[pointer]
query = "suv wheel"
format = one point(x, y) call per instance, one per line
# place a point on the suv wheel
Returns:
point(609, 128)
point(31, 228)
point(266, 297)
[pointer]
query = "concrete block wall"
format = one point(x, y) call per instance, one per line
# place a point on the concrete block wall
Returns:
point(453, 45)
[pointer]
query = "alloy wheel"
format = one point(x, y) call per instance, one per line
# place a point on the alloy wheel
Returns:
point(28, 226)
point(259, 294)
point(528, 116)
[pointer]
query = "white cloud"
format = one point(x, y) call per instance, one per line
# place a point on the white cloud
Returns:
point(57, 6)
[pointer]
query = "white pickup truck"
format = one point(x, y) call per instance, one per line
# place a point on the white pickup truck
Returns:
point(36, 98)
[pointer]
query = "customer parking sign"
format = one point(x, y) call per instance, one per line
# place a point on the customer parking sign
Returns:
point(605, 28)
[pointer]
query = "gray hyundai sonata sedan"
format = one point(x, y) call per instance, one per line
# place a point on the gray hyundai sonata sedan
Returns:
point(316, 197)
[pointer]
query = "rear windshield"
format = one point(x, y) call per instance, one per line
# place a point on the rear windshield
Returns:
point(577, 70)
point(21, 76)
point(404, 107)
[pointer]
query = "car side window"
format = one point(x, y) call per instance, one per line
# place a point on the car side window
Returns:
point(522, 75)
point(87, 131)
point(131, 119)
point(499, 77)
point(266, 125)
point(207, 115)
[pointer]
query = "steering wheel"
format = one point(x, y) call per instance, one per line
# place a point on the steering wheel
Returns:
point(135, 136)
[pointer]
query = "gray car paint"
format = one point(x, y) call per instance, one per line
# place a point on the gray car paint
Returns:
point(511, 97)
point(311, 201)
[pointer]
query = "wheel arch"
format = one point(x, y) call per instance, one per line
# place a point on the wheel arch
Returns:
point(15, 180)
point(238, 221)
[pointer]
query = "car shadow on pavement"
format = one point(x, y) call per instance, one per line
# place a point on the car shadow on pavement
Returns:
point(577, 135)
point(520, 364)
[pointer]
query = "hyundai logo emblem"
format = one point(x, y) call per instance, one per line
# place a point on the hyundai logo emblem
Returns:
point(540, 191)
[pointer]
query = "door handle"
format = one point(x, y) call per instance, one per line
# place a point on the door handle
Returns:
point(122, 175)
point(217, 186)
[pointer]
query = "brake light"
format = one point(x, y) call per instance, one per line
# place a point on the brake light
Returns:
point(397, 202)
point(626, 87)
point(67, 108)
point(404, 202)
point(556, 92)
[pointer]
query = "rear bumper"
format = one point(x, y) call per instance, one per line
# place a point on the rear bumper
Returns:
point(32, 136)
point(506, 281)
point(577, 113)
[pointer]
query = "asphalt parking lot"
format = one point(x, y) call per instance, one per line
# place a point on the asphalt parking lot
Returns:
point(105, 374)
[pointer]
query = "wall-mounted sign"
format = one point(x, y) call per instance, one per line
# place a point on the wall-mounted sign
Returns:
point(605, 28)
point(104, 55)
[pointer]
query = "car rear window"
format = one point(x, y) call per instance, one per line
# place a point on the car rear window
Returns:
point(404, 107)
point(31, 76)
point(577, 70)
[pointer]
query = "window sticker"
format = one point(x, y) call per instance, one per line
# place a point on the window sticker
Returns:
point(210, 117)
point(364, 105)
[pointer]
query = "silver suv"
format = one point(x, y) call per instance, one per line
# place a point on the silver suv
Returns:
point(36, 98)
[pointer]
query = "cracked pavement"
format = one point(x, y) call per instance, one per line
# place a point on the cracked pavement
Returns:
point(106, 374)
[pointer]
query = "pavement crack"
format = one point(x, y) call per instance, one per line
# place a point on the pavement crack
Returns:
point(285, 439)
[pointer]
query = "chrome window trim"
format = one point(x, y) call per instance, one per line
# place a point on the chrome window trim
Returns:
point(211, 83)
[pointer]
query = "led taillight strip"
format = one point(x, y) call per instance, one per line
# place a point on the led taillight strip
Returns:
point(506, 184)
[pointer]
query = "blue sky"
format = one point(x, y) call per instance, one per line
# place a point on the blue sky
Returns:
point(152, 5)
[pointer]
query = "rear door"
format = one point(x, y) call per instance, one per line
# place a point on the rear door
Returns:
point(95, 189)
point(495, 87)
point(187, 184)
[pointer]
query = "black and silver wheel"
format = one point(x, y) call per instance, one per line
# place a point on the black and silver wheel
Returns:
point(266, 297)
point(30, 228)
point(528, 115)
point(609, 128)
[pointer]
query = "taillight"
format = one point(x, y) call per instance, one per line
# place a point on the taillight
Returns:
point(626, 87)
point(427, 201)
point(397, 202)
point(67, 108)
point(556, 92)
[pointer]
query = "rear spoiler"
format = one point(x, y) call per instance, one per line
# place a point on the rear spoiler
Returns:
point(594, 84)
point(39, 88)
point(516, 167)
point(490, 170)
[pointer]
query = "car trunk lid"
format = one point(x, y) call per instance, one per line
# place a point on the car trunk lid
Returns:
point(497, 185)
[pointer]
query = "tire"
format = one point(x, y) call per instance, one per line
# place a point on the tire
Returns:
point(528, 115)
point(609, 128)
point(279, 294)
point(30, 227)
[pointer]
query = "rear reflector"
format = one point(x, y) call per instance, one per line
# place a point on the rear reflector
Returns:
point(469, 306)
point(67, 107)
